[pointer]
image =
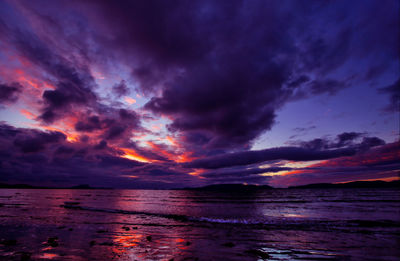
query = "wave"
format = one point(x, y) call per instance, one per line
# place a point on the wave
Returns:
point(253, 201)
point(365, 200)
point(119, 211)
point(276, 222)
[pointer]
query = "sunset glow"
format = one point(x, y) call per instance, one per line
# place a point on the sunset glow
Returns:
point(234, 130)
point(133, 97)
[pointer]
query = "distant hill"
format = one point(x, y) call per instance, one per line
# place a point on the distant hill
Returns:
point(354, 184)
point(230, 187)
point(239, 187)
point(25, 186)
point(247, 188)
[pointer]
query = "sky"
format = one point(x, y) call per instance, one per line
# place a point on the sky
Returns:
point(171, 94)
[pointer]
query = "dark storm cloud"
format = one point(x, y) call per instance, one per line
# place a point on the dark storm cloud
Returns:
point(30, 155)
point(317, 149)
point(9, 92)
point(74, 84)
point(282, 153)
point(345, 139)
point(242, 173)
point(226, 69)
point(72, 79)
point(47, 158)
point(219, 70)
point(229, 66)
point(227, 79)
point(221, 74)
point(34, 141)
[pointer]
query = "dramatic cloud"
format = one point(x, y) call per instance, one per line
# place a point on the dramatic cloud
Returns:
point(241, 175)
point(170, 93)
point(282, 153)
point(73, 83)
point(225, 88)
point(37, 141)
point(110, 127)
point(378, 163)
point(345, 139)
point(40, 158)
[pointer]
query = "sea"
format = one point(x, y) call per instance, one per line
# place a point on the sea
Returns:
point(276, 224)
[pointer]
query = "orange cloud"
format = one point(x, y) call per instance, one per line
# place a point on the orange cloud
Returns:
point(174, 156)
point(133, 155)
point(171, 140)
point(159, 150)
point(129, 100)
point(197, 172)
point(156, 127)
point(28, 114)
point(185, 157)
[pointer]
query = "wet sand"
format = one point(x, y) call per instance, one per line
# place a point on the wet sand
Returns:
point(111, 225)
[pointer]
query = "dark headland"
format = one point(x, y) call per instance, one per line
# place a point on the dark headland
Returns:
point(26, 186)
point(354, 184)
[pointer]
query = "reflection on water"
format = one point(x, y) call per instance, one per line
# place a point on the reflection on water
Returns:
point(191, 225)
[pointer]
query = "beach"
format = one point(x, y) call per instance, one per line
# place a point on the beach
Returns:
point(278, 224)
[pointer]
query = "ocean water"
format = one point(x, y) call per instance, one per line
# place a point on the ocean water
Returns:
point(280, 224)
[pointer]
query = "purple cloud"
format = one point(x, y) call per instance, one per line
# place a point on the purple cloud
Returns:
point(9, 92)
